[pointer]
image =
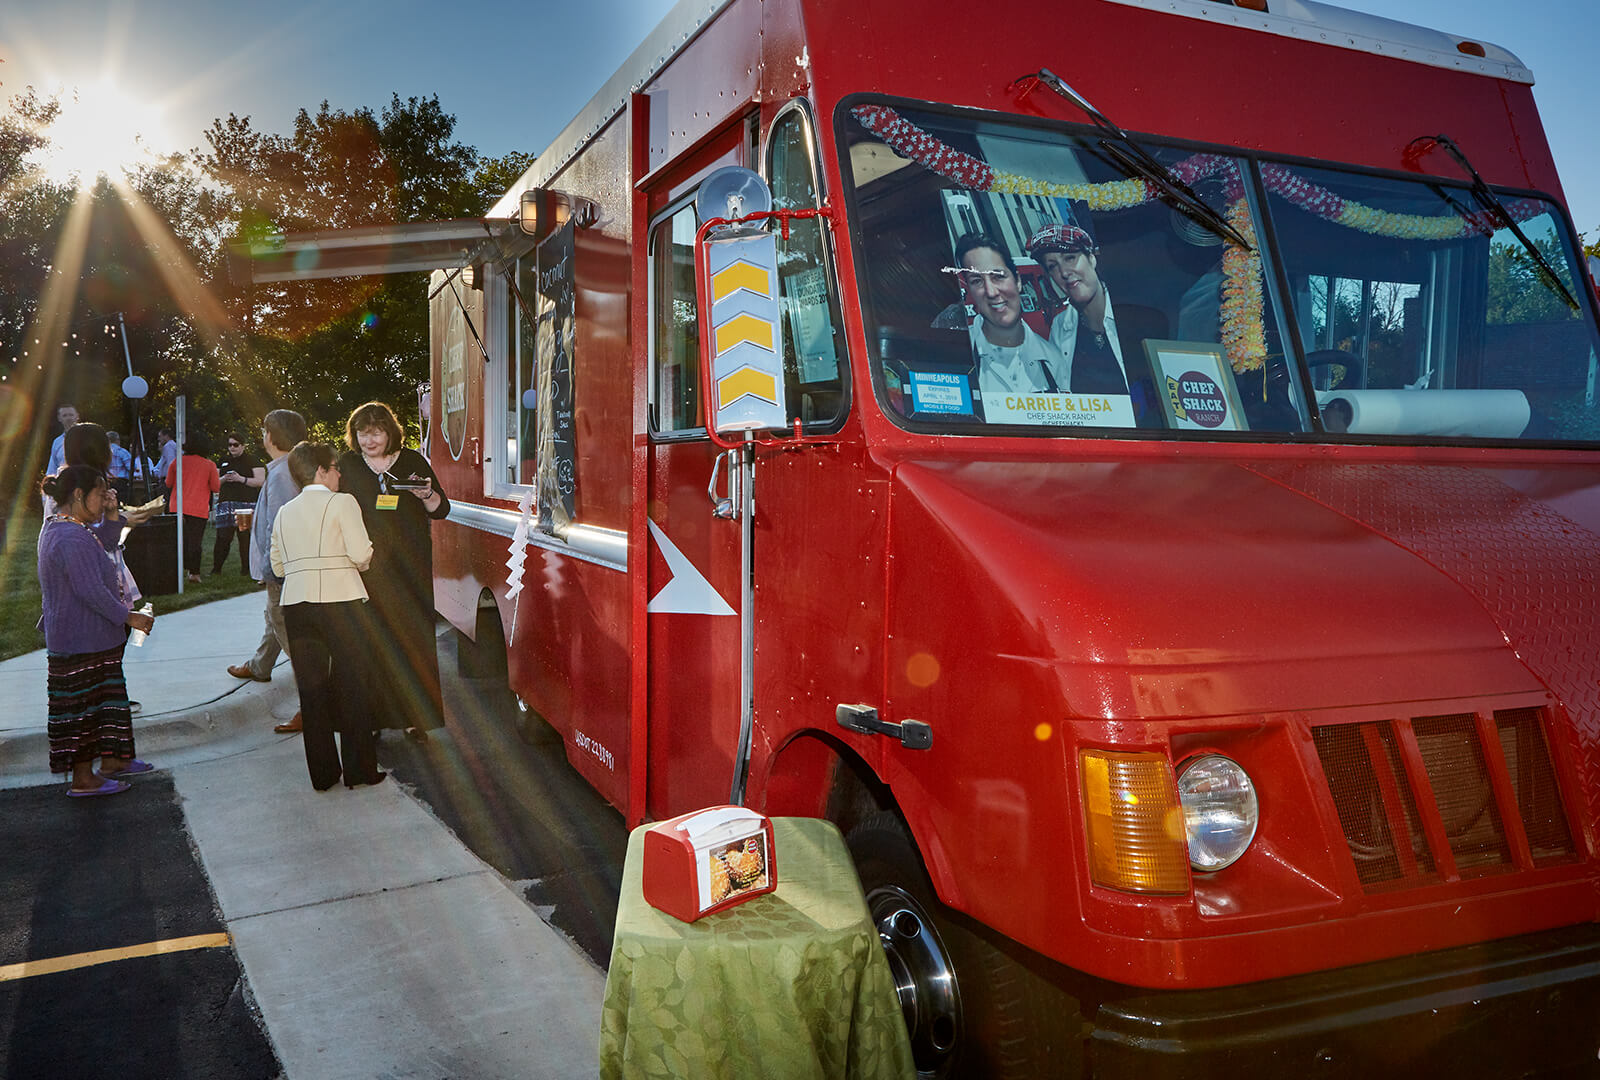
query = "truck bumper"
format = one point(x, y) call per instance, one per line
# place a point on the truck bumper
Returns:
point(1527, 1006)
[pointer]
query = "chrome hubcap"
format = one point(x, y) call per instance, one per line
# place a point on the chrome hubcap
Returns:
point(924, 979)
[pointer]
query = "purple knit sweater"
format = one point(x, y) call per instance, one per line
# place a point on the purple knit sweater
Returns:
point(83, 607)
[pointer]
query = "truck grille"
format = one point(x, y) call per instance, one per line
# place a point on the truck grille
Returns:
point(1437, 798)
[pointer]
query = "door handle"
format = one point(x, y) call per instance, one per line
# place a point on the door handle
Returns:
point(912, 734)
point(724, 506)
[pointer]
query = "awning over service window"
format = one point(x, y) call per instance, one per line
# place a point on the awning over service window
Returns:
point(378, 249)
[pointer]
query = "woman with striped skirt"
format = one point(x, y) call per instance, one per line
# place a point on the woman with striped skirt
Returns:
point(85, 623)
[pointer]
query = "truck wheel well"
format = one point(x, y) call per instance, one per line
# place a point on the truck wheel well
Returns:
point(483, 656)
point(816, 775)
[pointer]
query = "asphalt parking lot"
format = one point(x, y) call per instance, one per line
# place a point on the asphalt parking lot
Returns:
point(126, 968)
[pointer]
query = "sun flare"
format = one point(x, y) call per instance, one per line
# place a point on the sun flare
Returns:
point(102, 130)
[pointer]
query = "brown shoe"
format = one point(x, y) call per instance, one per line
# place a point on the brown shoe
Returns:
point(290, 728)
point(241, 671)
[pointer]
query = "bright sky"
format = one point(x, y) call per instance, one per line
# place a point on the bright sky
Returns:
point(514, 73)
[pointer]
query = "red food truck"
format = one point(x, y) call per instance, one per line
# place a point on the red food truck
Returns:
point(1174, 563)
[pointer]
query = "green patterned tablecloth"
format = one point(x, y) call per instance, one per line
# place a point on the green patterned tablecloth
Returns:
point(792, 984)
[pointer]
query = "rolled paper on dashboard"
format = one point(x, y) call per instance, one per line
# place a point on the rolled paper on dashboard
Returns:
point(1483, 414)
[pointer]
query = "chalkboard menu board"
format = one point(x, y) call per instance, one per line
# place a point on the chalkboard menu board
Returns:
point(557, 476)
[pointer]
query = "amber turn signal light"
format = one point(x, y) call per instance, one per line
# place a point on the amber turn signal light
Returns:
point(1135, 822)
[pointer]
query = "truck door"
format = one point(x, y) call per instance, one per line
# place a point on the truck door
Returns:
point(693, 585)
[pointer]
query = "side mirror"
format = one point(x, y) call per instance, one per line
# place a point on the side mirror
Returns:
point(736, 295)
point(733, 193)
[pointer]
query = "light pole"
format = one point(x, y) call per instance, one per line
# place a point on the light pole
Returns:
point(135, 388)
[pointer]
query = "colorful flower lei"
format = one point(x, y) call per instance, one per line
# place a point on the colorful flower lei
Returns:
point(928, 150)
point(1318, 200)
point(1114, 195)
point(925, 148)
point(1243, 328)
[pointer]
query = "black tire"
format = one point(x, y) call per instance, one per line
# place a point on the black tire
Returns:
point(484, 661)
point(484, 656)
point(532, 728)
point(471, 658)
point(999, 1020)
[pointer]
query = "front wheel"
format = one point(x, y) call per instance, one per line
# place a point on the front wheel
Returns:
point(970, 1009)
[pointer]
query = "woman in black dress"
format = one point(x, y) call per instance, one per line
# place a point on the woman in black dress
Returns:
point(398, 494)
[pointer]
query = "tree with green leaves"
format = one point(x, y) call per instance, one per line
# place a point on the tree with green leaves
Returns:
point(152, 246)
point(325, 346)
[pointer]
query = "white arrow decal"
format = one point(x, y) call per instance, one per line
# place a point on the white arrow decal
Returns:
point(687, 592)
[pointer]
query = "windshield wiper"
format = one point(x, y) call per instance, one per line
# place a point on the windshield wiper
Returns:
point(1137, 161)
point(1491, 205)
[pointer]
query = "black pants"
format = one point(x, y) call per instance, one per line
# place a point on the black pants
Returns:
point(194, 530)
point(325, 652)
point(219, 550)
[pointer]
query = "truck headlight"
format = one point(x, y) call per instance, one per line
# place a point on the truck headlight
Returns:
point(1220, 811)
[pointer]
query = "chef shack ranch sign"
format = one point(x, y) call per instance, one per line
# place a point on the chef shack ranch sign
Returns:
point(1195, 384)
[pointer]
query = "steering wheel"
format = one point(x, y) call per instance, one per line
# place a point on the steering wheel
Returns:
point(1355, 368)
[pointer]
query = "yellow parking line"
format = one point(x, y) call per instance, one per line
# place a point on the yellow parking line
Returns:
point(9, 972)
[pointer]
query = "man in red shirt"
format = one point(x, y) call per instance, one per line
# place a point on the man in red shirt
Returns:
point(200, 481)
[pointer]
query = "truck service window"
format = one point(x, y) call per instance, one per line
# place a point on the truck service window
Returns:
point(521, 412)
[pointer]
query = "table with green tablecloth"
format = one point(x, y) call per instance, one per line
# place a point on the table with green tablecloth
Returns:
point(792, 984)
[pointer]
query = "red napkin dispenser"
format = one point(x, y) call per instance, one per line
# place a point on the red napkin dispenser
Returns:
point(708, 860)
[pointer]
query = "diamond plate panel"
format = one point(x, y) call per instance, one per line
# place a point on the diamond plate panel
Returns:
point(1536, 572)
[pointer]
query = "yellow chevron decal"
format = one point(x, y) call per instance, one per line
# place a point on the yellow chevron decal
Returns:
point(742, 328)
point(740, 275)
point(747, 381)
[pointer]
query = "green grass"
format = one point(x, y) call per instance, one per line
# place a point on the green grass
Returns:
point(19, 585)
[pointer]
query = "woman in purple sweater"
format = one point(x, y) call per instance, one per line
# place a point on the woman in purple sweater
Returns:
point(85, 623)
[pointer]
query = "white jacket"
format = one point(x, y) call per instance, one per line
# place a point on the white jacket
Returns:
point(320, 546)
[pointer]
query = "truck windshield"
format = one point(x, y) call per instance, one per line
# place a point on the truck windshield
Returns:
point(1016, 281)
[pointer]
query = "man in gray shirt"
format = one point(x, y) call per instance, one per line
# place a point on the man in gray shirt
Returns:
point(169, 454)
point(280, 432)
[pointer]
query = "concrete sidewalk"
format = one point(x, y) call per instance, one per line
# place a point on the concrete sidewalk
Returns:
point(192, 709)
point(374, 942)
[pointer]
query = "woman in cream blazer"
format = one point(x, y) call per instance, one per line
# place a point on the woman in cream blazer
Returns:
point(319, 548)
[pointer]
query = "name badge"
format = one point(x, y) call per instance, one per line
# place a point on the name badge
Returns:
point(388, 502)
